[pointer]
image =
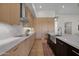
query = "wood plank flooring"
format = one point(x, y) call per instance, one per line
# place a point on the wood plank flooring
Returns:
point(41, 48)
point(37, 49)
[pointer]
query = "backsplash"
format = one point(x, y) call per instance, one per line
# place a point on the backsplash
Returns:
point(7, 30)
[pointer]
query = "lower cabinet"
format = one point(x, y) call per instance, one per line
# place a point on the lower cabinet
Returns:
point(51, 44)
point(62, 49)
point(22, 49)
point(74, 51)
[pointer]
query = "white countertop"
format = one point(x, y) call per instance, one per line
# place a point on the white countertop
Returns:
point(52, 33)
point(72, 40)
point(11, 42)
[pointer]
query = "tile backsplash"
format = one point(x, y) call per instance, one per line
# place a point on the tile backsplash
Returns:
point(7, 30)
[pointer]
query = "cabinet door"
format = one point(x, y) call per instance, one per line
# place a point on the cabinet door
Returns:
point(10, 13)
point(22, 49)
point(61, 48)
point(14, 13)
point(74, 51)
point(29, 16)
point(4, 12)
point(48, 40)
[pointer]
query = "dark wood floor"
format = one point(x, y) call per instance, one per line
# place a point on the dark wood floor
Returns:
point(41, 48)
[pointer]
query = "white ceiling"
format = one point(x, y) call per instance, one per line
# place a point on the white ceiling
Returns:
point(53, 9)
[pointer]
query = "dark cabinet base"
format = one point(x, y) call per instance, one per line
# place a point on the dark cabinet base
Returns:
point(51, 45)
point(64, 49)
point(74, 51)
point(61, 48)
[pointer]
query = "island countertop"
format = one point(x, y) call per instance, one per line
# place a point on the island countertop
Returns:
point(72, 40)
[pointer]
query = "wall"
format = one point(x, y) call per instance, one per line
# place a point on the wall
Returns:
point(43, 26)
point(69, 18)
point(7, 30)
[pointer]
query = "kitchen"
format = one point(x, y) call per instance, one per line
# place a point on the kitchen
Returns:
point(51, 27)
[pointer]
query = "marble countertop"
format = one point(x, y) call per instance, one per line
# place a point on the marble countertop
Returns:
point(52, 33)
point(9, 43)
point(72, 40)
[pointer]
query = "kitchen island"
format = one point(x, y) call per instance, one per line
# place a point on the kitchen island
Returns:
point(72, 40)
point(66, 45)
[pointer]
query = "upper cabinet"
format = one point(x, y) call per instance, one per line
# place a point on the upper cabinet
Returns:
point(10, 13)
point(29, 15)
point(14, 13)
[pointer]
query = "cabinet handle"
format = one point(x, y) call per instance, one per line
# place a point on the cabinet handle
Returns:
point(75, 52)
point(60, 43)
point(15, 49)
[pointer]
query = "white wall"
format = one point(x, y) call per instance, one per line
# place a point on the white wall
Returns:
point(69, 18)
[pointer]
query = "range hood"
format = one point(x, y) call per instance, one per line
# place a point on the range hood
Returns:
point(22, 11)
point(23, 18)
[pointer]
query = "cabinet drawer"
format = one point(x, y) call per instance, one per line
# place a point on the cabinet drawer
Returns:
point(61, 48)
point(74, 51)
point(59, 42)
point(22, 49)
point(11, 51)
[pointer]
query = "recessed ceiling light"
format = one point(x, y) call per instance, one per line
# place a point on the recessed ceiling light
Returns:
point(62, 6)
point(40, 6)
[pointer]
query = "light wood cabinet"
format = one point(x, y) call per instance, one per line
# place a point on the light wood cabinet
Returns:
point(43, 26)
point(22, 49)
point(29, 15)
point(10, 13)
